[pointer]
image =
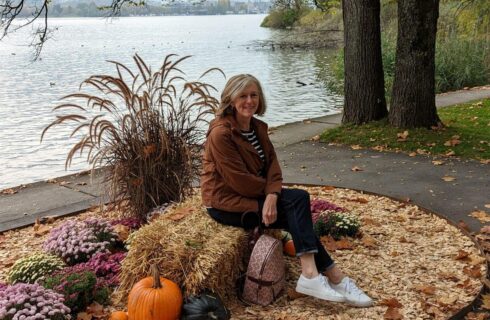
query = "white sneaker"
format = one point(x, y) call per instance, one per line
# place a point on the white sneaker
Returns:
point(318, 287)
point(353, 295)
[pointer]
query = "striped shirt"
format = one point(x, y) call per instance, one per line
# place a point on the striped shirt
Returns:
point(254, 141)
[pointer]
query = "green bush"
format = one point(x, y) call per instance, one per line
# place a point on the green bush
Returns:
point(312, 18)
point(79, 287)
point(461, 63)
point(34, 267)
point(282, 18)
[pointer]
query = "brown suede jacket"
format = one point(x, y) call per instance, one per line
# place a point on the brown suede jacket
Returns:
point(230, 179)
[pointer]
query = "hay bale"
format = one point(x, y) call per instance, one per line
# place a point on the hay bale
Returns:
point(190, 248)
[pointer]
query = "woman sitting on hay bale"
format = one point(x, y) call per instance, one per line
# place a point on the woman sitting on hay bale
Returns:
point(241, 174)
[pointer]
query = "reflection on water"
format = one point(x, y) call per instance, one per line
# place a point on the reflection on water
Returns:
point(81, 46)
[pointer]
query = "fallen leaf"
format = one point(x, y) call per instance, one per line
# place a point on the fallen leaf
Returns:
point(462, 255)
point(81, 184)
point(8, 191)
point(422, 151)
point(485, 298)
point(344, 244)
point(329, 243)
point(180, 213)
point(356, 147)
point(84, 316)
point(427, 289)
point(465, 284)
point(463, 226)
point(392, 314)
point(476, 259)
point(379, 148)
point(485, 161)
point(402, 136)
point(64, 183)
point(42, 230)
point(293, 294)
point(450, 153)
point(454, 141)
point(358, 199)
point(412, 154)
point(404, 240)
point(122, 232)
point(473, 271)
point(356, 168)
point(36, 225)
point(48, 219)
point(370, 221)
point(328, 188)
point(485, 229)
point(437, 162)
point(487, 206)
point(448, 178)
point(392, 302)
point(95, 309)
point(315, 138)
point(369, 241)
point(448, 300)
point(480, 215)
point(307, 121)
point(449, 276)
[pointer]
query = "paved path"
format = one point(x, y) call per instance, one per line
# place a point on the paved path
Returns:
point(392, 174)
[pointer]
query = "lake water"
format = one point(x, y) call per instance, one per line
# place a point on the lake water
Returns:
point(81, 46)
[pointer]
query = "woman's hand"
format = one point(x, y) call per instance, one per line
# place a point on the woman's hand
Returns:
point(269, 211)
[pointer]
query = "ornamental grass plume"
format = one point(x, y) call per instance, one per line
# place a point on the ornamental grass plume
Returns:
point(77, 241)
point(31, 301)
point(145, 127)
point(34, 267)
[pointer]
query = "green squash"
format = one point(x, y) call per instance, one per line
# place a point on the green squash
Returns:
point(205, 307)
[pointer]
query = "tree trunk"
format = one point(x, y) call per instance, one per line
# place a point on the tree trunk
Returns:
point(363, 67)
point(413, 103)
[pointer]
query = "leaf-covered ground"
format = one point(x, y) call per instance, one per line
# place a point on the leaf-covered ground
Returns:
point(415, 265)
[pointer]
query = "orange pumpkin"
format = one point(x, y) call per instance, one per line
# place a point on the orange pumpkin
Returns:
point(119, 315)
point(155, 298)
point(289, 248)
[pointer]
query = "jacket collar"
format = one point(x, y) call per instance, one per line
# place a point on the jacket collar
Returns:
point(259, 126)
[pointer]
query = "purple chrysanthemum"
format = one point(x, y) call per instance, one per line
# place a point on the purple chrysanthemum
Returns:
point(21, 300)
point(77, 241)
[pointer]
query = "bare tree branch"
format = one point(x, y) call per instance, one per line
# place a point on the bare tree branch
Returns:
point(12, 10)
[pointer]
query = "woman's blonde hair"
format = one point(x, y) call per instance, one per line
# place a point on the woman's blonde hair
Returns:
point(233, 88)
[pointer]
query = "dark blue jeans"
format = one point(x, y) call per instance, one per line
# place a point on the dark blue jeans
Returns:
point(293, 215)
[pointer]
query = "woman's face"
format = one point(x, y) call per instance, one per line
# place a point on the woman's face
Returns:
point(247, 102)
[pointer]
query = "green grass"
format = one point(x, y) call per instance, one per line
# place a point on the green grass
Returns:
point(467, 123)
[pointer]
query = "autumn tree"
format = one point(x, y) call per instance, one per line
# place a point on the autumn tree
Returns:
point(413, 98)
point(363, 67)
